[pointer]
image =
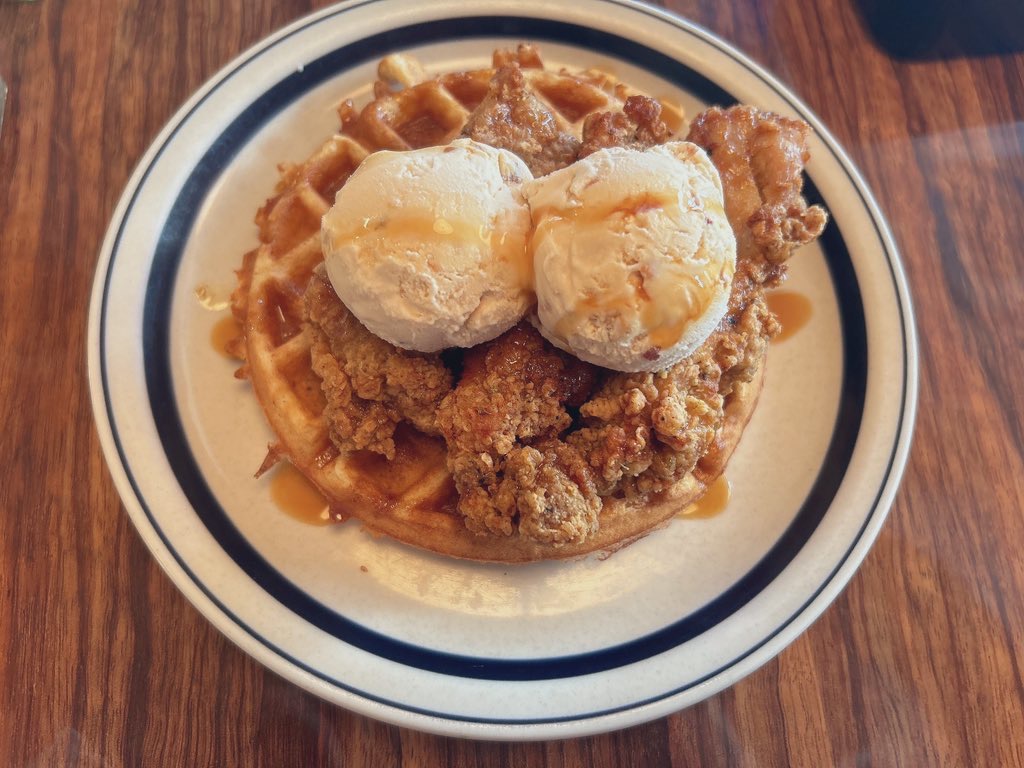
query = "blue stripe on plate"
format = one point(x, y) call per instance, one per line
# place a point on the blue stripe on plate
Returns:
point(156, 351)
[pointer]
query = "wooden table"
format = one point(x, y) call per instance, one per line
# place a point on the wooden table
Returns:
point(919, 662)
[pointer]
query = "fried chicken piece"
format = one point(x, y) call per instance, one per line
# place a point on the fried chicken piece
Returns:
point(760, 157)
point(646, 430)
point(370, 385)
point(614, 451)
point(550, 489)
point(513, 389)
point(741, 342)
point(511, 117)
point(638, 125)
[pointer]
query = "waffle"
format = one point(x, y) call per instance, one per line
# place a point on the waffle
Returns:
point(411, 497)
point(411, 109)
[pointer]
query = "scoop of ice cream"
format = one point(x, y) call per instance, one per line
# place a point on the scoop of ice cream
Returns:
point(428, 247)
point(633, 255)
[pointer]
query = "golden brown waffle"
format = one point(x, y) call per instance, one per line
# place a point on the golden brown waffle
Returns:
point(412, 109)
point(412, 497)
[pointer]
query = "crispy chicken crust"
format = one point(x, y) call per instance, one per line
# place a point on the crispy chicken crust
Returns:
point(550, 490)
point(514, 390)
point(646, 430)
point(760, 157)
point(638, 125)
point(370, 385)
point(511, 117)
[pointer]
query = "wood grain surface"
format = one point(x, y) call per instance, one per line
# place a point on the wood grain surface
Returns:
point(919, 662)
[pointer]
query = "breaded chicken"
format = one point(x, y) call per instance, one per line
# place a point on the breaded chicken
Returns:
point(370, 385)
point(511, 117)
point(513, 390)
point(638, 125)
point(643, 431)
point(549, 490)
point(760, 157)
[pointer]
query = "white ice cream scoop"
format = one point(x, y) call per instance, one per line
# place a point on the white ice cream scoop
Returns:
point(633, 255)
point(427, 248)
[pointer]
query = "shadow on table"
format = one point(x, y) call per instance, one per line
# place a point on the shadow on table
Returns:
point(941, 29)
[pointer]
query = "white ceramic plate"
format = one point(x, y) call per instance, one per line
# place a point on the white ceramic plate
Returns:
point(544, 651)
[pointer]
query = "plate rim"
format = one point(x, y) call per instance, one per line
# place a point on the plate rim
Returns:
point(801, 619)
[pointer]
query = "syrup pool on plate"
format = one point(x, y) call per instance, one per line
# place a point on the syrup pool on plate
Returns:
point(793, 309)
point(712, 503)
point(224, 331)
point(297, 497)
